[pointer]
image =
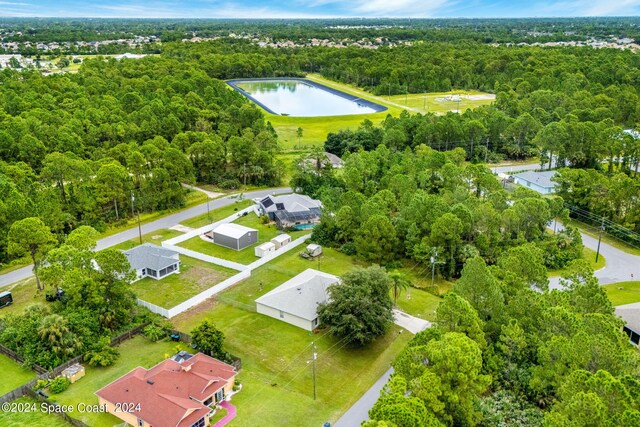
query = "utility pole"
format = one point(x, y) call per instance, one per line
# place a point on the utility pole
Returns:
point(313, 364)
point(486, 153)
point(600, 238)
point(132, 213)
point(244, 172)
point(208, 212)
point(434, 261)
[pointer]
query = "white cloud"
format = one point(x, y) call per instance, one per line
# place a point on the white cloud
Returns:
point(588, 8)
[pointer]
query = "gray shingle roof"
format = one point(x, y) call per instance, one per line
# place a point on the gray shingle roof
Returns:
point(150, 256)
point(291, 202)
point(542, 179)
point(301, 295)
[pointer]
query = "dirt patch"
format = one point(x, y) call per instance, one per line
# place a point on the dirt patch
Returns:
point(195, 312)
point(204, 276)
point(156, 237)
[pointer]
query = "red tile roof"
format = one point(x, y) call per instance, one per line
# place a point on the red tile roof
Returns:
point(166, 391)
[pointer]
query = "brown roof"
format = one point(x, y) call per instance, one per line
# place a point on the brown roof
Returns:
point(170, 393)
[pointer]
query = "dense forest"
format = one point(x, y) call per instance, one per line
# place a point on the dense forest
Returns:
point(75, 147)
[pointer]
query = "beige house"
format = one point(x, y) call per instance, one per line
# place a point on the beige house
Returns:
point(174, 393)
point(296, 301)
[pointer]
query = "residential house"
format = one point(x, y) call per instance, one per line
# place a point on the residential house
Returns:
point(296, 211)
point(153, 261)
point(171, 394)
point(234, 236)
point(296, 300)
point(537, 181)
point(630, 313)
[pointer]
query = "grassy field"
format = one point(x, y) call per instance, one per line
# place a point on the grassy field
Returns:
point(276, 378)
point(266, 232)
point(316, 129)
point(195, 276)
point(419, 303)
point(133, 353)
point(623, 292)
point(216, 214)
point(13, 375)
point(590, 256)
point(24, 294)
point(443, 102)
point(155, 238)
point(35, 418)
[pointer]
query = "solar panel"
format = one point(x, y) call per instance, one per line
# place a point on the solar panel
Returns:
point(280, 206)
point(266, 202)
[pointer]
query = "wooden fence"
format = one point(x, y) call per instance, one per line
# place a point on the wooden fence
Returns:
point(59, 412)
point(16, 357)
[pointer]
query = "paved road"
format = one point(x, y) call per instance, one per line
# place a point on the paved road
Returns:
point(162, 223)
point(359, 412)
point(619, 268)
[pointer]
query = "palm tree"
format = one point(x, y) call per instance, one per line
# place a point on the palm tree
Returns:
point(54, 331)
point(399, 283)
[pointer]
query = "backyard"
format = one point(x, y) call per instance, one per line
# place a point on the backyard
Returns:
point(266, 232)
point(275, 366)
point(29, 418)
point(195, 276)
point(135, 352)
point(623, 292)
point(13, 375)
point(216, 214)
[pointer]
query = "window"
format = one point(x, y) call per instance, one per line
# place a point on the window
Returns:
point(281, 314)
point(220, 395)
point(140, 423)
point(199, 423)
point(144, 271)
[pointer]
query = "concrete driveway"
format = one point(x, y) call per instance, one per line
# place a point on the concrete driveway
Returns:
point(410, 323)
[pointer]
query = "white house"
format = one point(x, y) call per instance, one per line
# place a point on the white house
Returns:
point(280, 240)
point(264, 249)
point(537, 181)
point(153, 261)
point(630, 313)
point(296, 300)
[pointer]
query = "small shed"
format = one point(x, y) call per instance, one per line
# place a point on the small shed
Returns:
point(314, 250)
point(265, 249)
point(234, 236)
point(73, 373)
point(281, 240)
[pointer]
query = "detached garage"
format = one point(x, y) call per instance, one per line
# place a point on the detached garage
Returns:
point(234, 236)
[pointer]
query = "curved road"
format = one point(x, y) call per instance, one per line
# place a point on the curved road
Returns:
point(159, 224)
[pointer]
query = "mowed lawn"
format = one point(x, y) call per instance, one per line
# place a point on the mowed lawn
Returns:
point(216, 214)
point(195, 276)
point(443, 102)
point(419, 303)
point(24, 293)
point(277, 386)
point(12, 375)
point(266, 232)
point(135, 352)
point(623, 292)
point(30, 418)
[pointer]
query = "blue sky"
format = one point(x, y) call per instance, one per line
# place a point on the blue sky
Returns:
point(317, 8)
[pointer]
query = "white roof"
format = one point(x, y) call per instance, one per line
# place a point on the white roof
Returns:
point(301, 295)
point(266, 246)
point(233, 230)
point(630, 313)
point(281, 238)
point(312, 246)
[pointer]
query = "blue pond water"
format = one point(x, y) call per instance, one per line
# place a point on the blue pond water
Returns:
point(301, 99)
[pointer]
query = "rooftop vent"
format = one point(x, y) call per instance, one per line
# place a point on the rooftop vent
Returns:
point(150, 382)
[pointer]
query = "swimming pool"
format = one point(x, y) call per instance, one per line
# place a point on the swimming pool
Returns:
point(302, 98)
point(303, 226)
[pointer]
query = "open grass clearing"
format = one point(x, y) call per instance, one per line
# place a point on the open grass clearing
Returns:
point(276, 376)
point(135, 352)
point(443, 102)
point(13, 375)
point(216, 214)
point(588, 255)
point(155, 237)
point(246, 256)
point(195, 276)
point(30, 418)
point(419, 303)
point(622, 293)
point(24, 293)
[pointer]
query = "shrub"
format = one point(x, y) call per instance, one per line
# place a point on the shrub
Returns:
point(230, 184)
point(264, 219)
point(40, 384)
point(154, 332)
point(59, 384)
point(102, 354)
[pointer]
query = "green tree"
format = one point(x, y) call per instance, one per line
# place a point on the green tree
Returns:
point(209, 340)
point(376, 240)
point(360, 308)
point(399, 282)
point(30, 236)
